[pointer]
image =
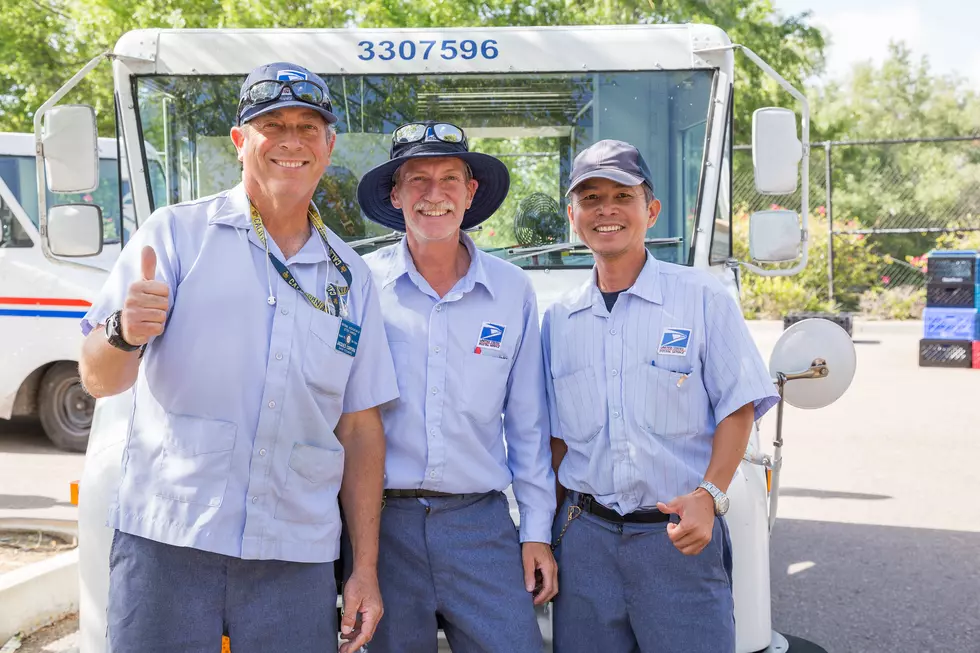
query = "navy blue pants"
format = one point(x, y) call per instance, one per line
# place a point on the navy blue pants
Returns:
point(457, 563)
point(627, 589)
point(164, 599)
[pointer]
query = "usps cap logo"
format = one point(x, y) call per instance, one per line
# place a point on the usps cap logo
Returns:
point(674, 342)
point(491, 335)
point(290, 75)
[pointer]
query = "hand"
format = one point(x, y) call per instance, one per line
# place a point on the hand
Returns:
point(538, 561)
point(362, 599)
point(697, 513)
point(145, 310)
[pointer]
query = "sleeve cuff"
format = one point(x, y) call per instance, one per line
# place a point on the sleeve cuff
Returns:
point(536, 526)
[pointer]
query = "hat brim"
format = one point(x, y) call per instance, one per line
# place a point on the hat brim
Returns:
point(255, 111)
point(374, 189)
point(612, 174)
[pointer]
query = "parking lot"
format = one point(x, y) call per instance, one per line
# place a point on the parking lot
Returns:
point(878, 543)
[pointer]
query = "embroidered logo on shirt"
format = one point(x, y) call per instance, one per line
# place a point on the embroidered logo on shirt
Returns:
point(491, 336)
point(675, 342)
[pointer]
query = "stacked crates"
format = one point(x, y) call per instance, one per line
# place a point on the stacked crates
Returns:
point(952, 328)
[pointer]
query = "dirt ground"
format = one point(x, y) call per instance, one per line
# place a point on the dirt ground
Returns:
point(19, 548)
point(59, 637)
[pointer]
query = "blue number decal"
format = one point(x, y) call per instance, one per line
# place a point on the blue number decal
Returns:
point(425, 55)
point(449, 46)
point(402, 49)
point(389, 50)
point(468, 48)
point(368, 52)
point(489, 49)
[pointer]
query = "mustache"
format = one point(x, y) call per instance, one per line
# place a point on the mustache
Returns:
point(438, 206)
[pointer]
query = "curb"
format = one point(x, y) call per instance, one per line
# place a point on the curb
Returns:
point(40, 593)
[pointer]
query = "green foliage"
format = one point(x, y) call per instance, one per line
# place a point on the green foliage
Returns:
point(900, 303)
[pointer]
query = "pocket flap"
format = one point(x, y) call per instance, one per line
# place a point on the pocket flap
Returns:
point(193, 436)
point(314, 464)
point(325, 327)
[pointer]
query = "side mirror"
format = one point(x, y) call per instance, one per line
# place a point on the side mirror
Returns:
point(70, 146)
point(75, 230)
point(776, 151)
point(774, 236)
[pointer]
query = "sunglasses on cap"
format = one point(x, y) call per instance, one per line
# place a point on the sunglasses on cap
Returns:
point(270, 90)
point(416, 132)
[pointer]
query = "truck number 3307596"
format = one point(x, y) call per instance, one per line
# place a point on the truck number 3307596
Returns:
point(447, 49)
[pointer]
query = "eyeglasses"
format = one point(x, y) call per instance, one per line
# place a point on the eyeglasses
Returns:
point(415, 132)
point(270, 90)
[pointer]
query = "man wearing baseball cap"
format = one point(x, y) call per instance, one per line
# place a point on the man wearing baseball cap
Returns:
point(472, 418)
point(253, 339)
point(653, 384)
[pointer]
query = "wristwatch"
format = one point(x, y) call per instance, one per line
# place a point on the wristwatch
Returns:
point(113, 333)
point(722, 502)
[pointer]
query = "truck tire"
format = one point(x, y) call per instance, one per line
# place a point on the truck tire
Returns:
point(65, 407)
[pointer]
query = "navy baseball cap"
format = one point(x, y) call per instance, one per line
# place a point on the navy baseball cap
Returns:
point(614, 160)
point(291, 86)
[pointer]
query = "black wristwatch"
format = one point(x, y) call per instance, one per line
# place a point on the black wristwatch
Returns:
point(113, 333)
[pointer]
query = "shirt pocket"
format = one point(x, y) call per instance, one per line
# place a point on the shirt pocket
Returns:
point(485, 385)
point(579, 413)
point(325, 369)
point(313, 478)
point(672, 405)
point(196, 459)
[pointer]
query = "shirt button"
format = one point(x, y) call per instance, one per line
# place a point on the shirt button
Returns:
point(616, 414)
point(438, 349)
point(435, 390)
point(432, 431)
point(279, 358)
point(255, 499)
point(285, 311)
point(432, 474)
point(612, 332)
point(261, 452)
point(615, 372)
point(438, 307)
point(272, 404)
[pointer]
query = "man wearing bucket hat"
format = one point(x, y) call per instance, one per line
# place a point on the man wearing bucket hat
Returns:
point(253, 339)
point(654, 382)
point(463, 328)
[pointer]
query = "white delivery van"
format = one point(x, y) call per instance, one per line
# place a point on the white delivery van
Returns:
point(534, 97)
point(41, 300)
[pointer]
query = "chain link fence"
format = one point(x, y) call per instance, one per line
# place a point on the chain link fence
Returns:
point(877, 208)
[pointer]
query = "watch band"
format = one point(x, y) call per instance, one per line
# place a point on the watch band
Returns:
point(113, 333)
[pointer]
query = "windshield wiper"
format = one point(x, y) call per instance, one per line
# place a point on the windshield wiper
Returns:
point(526, 252)
point(384, 238)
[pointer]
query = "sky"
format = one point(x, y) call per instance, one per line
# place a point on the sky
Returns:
point(859, 30)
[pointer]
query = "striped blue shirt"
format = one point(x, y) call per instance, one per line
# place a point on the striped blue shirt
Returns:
point(637, 393)
point(472, 414)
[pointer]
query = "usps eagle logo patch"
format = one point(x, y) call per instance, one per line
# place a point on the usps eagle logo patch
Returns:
point(674, 342)
point(491, 336)
point(290, 75)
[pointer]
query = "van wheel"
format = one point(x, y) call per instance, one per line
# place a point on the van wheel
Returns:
point(65, 408)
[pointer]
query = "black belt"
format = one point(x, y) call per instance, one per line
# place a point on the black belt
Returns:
point(588, 503)
point(425, 494)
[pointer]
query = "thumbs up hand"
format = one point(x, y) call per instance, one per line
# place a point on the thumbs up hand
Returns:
point(145, 310)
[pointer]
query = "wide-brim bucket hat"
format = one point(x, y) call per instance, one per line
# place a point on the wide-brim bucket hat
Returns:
point(374, 189)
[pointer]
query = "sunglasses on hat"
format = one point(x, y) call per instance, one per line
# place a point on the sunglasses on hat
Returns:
point(271, 90)
point(416, 132)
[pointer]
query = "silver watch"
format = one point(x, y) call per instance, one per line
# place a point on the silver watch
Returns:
point(722, 502)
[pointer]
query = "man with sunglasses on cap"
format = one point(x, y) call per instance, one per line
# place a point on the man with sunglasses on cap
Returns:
point(472, 417)
point(253, 339)
point(654, 383)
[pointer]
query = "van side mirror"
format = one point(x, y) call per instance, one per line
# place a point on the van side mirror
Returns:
point(75, 230)
point(774, 236)
point(70, 146)
point(776, 151)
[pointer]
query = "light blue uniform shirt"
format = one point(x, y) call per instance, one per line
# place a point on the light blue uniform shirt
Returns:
point(469, 372)
point(636, 394)
point(231, 447)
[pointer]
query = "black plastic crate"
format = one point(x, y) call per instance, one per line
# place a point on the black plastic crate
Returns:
point(959, 267)
point(843, 320)
point(945, 353)
point(951, 295)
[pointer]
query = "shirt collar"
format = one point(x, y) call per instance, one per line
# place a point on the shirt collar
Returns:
point(402, 264)
point(647, 287)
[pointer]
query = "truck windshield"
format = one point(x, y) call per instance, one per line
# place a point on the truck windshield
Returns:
point(535, 123)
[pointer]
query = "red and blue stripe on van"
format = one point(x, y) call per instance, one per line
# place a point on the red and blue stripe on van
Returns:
point(43, 307)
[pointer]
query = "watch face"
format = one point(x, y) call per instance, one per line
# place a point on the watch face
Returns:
point(723, 503)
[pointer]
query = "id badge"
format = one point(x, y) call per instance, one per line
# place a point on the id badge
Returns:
point(347, 337)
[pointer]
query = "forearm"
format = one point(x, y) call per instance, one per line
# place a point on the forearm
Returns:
point(730, 440)
point(104, 369)
point(361, 493)
point(558, 451)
